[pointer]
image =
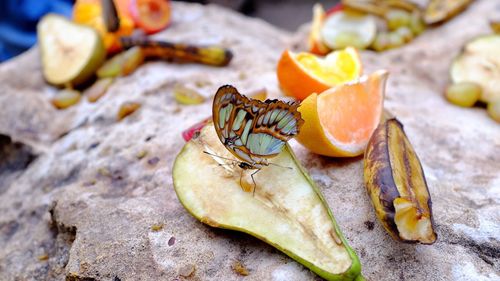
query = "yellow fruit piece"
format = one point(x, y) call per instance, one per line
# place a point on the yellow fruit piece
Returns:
point(187, 96)
point(126, 109)
point(348, 29)
point(66, 98)
point(304, 73)
point(494, 110)
point(464, 94)
point(340, 121)
point(315, 43)
point(479, 63)
point(438, 11)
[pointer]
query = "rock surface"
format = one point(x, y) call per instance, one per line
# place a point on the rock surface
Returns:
point(85, 197)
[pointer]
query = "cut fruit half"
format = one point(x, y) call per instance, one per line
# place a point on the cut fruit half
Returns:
point(70, 52)
point(479, 62)
point(151, 15)
point(304, 73)
point(340, 121)
point(348, 29)
point(287, 210)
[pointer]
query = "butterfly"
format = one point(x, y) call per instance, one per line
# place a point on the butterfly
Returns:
point(253, 130)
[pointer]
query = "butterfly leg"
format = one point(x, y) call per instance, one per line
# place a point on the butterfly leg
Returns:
point(253, 180)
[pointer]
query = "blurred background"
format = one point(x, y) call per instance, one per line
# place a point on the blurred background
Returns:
point(18, 18)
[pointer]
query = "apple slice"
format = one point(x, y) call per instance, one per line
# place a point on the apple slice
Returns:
point(287, 209)
point(70, 52)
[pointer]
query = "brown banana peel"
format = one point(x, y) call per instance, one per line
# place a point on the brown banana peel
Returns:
point(397, 187)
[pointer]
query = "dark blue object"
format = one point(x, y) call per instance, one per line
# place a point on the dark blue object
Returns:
point(18, 19)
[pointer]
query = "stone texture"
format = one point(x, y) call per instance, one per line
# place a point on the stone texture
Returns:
point(78, 202)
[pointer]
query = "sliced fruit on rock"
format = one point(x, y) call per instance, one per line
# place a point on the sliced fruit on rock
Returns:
point(340, 121)
point(302, 74)
point(151, 15)
point(479, 62)
point(495, 26)
point(396, 185)
point(397, 18)
point(98, 89)
point(122, 64)
point(438, 11)
point(70, 52)
point(315, 42)
point(188, 134)
point(287, 210)
point(126, 109)
point(494, 110)
point(187, 96)
point(464, 94)
point(348, 29)
point(66, 98)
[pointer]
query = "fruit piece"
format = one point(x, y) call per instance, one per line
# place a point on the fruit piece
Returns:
point(479, 62)
point(287, 210)
point(348, 29)
point(182, 53)
point(369, 7)
point(396, 185)
point(395, 40)
point(405, 33)
point(494, 110)
point(70, 52)
point(187, 96)
point(397, 18)
point(340, 121)
point(464, 94)
point(122, 64)
point(417, 25)
point(150, 15)
point(315, 42)
point(382, 42)
point(302, 74)
point(98, 89)
point(90, 12)
point(260, 94)
point(126, 109)
point(438, 11)
point(66, 98)
point(495, 26)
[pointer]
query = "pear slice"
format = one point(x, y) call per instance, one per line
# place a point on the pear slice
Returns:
point(71, 53)
point(286, 211)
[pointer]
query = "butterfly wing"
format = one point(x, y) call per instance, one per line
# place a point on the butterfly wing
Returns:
point(253, 130)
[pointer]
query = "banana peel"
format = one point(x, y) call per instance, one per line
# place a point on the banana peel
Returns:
point(286, 211)
point(396, 185)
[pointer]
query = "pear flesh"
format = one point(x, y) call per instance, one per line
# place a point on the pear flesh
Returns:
point(287, 209)
point(71, 53)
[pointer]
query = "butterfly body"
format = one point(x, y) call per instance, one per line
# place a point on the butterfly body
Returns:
point(252, 130)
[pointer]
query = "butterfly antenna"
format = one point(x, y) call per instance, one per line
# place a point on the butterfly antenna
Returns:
point(281, 166)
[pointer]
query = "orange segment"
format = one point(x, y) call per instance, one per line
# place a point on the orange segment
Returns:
point(304, 73)
point(340, 121)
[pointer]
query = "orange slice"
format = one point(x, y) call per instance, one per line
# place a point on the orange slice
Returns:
point(340, 121)
point(302, 74)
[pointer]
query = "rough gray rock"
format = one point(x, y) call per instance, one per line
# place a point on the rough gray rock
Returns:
point(77, 203)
